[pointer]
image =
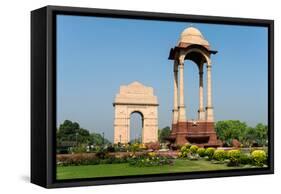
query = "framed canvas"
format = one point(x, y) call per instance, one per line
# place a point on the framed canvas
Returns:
point(126, 96)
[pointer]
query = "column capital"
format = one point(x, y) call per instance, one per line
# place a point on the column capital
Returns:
point(181, 59)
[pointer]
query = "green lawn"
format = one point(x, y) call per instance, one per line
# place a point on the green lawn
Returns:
point(106, 170)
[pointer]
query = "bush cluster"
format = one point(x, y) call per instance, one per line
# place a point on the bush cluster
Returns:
point(231, 158)
point(184, 151)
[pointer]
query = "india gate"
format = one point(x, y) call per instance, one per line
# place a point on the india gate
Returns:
point(192, 46)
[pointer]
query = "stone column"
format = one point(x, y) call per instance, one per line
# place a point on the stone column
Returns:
point(201, 112)
point(182, 116)
point(175, 109)
point(209, 108)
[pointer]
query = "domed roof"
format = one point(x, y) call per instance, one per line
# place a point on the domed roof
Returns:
point(192, 35)
point(191, 31)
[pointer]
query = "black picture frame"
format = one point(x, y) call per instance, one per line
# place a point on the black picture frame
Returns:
point(43, 95)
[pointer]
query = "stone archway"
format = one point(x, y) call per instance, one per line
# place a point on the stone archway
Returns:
point(131, 98)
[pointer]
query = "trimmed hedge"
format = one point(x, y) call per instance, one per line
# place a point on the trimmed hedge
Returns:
point(219, 155)
point(201, 152)
point(193, 149)
point(210, 152)
point(258, 157)
point(234, 157)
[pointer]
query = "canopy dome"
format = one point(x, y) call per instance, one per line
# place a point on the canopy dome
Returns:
point(191, 31)
point(192, 35)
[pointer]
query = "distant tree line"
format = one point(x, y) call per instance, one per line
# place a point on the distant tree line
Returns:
point(70, 133)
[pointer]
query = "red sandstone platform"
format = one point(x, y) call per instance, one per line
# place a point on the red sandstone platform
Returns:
point(201, 133)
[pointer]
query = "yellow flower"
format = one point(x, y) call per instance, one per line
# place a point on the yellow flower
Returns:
point(151, 154)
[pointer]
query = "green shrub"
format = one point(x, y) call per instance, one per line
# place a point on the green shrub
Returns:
point(234, 157)
point(187, 145)
point(201, 152)
point(184, 151)
point(184, 148)
point(193, 149)
point(133, 147)
point(210, 152)
point(245, 159)
point(219, 155)
point(259, 157)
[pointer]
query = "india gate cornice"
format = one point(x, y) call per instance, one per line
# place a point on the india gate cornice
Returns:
point(136, 93)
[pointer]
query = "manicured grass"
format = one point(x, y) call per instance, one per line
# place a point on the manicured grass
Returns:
point(107, 170)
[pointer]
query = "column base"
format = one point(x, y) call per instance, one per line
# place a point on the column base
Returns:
point(201, 133)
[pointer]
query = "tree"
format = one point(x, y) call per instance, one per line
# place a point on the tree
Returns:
point(71, 132)
point(262, 134)
point(230, 129)
point(249, 137)
point(163, 134)
point(256, 135)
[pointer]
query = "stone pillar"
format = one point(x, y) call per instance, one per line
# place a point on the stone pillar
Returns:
point(201, 112)
point(209, 108)
point(175, 109)
point(182, 116)
point(121, 125)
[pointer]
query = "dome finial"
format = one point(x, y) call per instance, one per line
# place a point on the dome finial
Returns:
point(192, 35)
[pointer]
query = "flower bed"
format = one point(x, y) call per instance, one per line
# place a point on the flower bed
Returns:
point(150, 159)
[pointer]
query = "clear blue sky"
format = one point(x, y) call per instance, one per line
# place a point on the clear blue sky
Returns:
point(97, 55)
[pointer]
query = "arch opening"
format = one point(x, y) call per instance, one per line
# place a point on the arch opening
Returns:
point(191, 85)
point(136, 127)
